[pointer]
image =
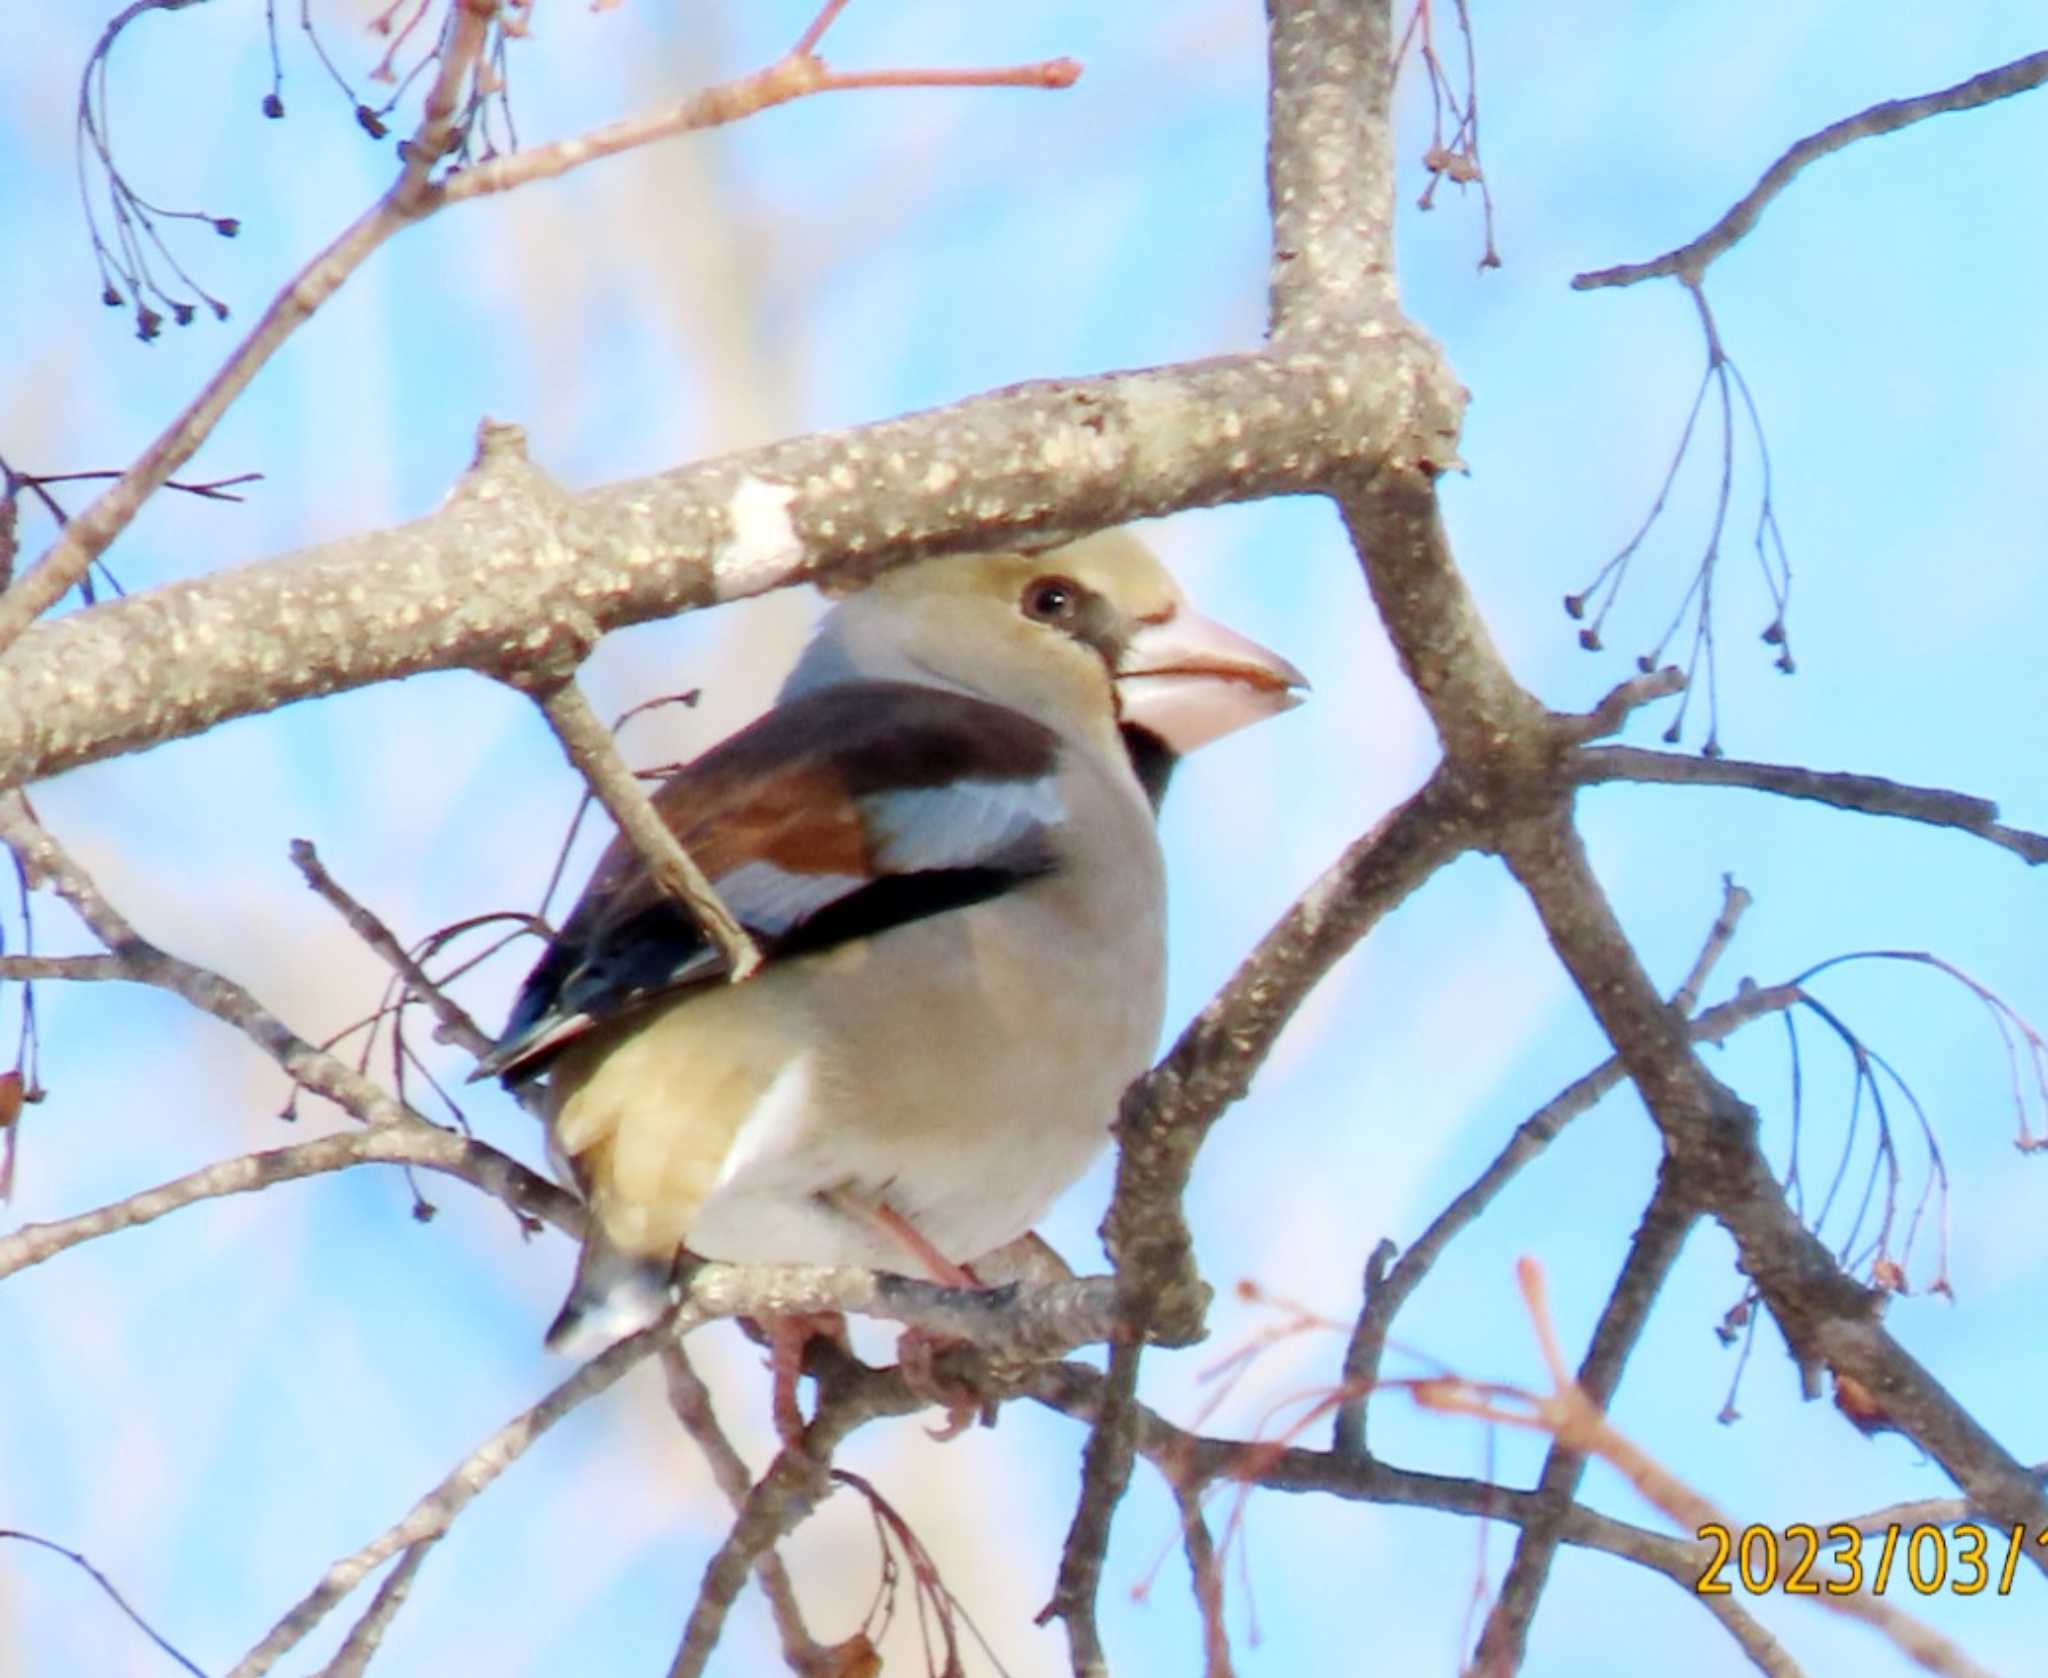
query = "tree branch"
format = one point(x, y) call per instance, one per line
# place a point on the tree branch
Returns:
point(512, 575)
point(1192, 1461)
point(589, 745)
point(458, 1027)
point(798, 74)
point(1922, 1511)
point(84, 538)
point(690, 1399)
point(86, 968)
point(359, 1648)
point(45, 863)
point(1570, 1416)
point(1105, 1477)
point(1690, 261)
point(1205, 1580)
point(1388, 1290)
point(1018, 1321)
point(1330, 177)
point(849, 1395)
point(431, 1517)
point(1872, 795)
point(412, 198)
point(1666, 1222)
point(1827, 1318)
point(415, 1143)
point(1167, 1113)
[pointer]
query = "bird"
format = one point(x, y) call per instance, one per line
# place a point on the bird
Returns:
point(942, 837)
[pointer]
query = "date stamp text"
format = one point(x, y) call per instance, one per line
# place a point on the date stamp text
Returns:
point(1842, 1559)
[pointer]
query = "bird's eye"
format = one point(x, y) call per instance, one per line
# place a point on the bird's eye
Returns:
point(1051, 599)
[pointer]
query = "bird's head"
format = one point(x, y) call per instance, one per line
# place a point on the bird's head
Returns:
point(1093, 636)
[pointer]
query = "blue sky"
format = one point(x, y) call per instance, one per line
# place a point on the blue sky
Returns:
point(215, 1407)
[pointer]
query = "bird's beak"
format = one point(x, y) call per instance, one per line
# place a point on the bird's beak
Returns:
point(1189, 680)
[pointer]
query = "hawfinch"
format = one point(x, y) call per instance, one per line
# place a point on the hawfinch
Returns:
point(942, 838)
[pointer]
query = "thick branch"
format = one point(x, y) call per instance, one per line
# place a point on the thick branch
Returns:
point(1330, 176)
point(1692, 260)
point(1873, 795)
point(513, 575)
point(1489, 725)
point(1019, 1321)
point(1168, 1112)
point(1330, 169)
point(1166, 1115)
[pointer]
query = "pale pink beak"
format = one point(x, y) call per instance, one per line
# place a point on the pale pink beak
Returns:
point(1189, 680)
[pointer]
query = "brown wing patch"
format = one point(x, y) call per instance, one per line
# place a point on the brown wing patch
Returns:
point(785, 789)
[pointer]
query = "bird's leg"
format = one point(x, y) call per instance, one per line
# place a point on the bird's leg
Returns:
point(786, 1336)
point(917, 1349)
point(934, 1263)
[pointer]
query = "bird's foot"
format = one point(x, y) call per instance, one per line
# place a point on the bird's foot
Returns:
point(786, 1337)
point(917, 1354)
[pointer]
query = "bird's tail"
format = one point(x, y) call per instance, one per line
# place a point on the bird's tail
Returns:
point(615, 1294)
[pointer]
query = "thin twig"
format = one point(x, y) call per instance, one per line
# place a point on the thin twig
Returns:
point(1571, 1417)
point(416, 1144)
point(1195, 1461)
point(1921, 1511)
point(1734, 903)
point(455, 1021)
point(1828, 1319)
point(1872, 795)
point(1691, 260)
point(797, 75)
point(90, 968)
point(113, 1595)
point(431, 1517)
point(1105, 1476)
point(589, 745)
point(47, 864)
point(1659, 1238)
point(86, 537)
point(413, 197)
point(1387, 1290)
point(690, 1399)
point(1205, 1579)
point(849, 1395)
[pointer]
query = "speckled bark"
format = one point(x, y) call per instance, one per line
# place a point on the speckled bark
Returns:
point(514, 576)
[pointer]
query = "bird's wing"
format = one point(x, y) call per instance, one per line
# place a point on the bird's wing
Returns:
point(835, 816)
